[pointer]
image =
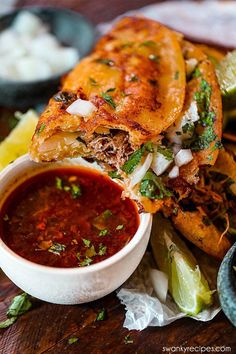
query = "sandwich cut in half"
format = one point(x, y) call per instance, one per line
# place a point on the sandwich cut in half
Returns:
point(145, 105)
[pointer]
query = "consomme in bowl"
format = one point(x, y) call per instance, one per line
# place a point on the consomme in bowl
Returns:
point(68, 217)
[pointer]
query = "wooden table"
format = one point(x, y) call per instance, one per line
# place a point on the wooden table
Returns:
point(47, 328)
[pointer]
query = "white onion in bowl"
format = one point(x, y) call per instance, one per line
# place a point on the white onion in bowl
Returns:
point(81, 107)
point(183, 157)
point(174, 172)
point(160, 163)
point(140, 171)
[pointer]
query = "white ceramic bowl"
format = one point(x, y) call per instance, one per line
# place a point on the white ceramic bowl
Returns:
point(67, 285)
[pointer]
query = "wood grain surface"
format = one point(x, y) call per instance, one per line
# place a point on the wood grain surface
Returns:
point(46, 328)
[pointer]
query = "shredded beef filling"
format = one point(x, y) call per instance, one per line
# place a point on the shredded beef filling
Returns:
point(111, 149)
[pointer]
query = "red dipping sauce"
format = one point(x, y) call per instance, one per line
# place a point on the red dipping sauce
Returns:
point(68, 217)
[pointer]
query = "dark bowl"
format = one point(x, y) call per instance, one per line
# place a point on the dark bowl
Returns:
point(226, 284)
point(71, 29)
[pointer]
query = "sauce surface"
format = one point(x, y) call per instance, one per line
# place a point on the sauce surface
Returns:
point(68, 217)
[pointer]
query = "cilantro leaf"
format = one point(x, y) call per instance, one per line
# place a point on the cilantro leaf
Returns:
point(119, 227)
point(19, 305)
point(72, 340)
point(103, 232)
point(133, 161)
point(128, 339)
point(86, 242)
point(166, 152)
point(114, 174)
point(152, 187)
point(101, 315)
point(105, 61)
point(57, 248)
point(93, 82)
point(41, 128)
point(86, 262)
point(75, 191)
point(108, 99)
point(102, 250)
point(8, 322)
point(59, 184)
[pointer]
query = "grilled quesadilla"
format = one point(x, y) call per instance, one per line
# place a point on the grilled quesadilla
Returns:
point(145, 104)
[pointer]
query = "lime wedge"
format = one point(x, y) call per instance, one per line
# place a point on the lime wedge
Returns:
point(226, 74)
point(17, 142)
point(187, 285)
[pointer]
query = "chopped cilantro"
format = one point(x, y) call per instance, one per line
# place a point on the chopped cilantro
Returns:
point(78, 255)
point(108, 99)
point(128, 339)
point(111, 89)
point(105, 61)
point(20, 305)
point(86, 242)
point(114, 174)
point(101, 315)
point(135, 158)
point(178, 133)
point(147, 44)
point(72, 340)
point(66, 188)
point(93, 82)
point(166, 152)
point(201, 142)
point(75, 191)
point(41, 128)
point(152, 187)
point(102, 250)
point(57, 248)
point(103, 232)
point(175, 211)
point(153, 57)
point(188, 127)
point(176, 75)
point(196, 73)
point(107, 213)
point(119, 227)
point(86, 262)
point(59, 183)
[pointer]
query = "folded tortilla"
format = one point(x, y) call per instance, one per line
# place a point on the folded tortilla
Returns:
point(138, 60)
point(138, 87)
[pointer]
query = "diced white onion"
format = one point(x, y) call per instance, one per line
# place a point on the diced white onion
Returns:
point(160, 163)
point(27, 23)
point(140, 171)
point(183, 157)
point(190, 65)
point(190, 116)
point(81, 107)
point(159, 282)
point(174, 172)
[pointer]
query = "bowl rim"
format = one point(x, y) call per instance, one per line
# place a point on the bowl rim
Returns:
point(61, 9)
point(144, 218)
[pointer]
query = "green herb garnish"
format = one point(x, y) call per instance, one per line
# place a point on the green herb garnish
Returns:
point(196, 73)
point(188, 127)
point(20, 305)
point(147, 44)
point(176, 75)
point(135, 158)
point(166, 152)
point(59, 184)
point(108, 99)
point(105, 61)
point(114, 174)
point(152, 187)
point(128, 340)
point(86, 242)
point(102, 249)
point(101, 315)
point(75, 191)
point(119, 227)
point(41, 128)
point(103, 232)
point(93, 82)
point(86, 262)
point(57, 248)
point(72, 340)
point(127, 44)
